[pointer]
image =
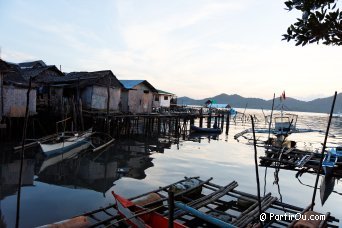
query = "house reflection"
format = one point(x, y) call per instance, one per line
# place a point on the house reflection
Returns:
point(98, 171)
point(198, 137)
point(86, 169)
point(9, 176)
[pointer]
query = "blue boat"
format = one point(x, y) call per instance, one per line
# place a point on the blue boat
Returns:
point(330, 160)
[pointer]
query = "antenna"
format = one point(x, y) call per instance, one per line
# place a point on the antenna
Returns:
point(60, 67)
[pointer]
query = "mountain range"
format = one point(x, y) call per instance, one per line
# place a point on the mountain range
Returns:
point(320, 105)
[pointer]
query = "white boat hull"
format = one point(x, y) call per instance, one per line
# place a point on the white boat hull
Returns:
point(76, 143)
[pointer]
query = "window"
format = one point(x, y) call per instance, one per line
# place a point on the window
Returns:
point(166, 98)
point(146, 91)
point(156, 98)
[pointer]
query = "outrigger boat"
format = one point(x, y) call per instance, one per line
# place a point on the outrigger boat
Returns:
point(139, 217)
point(61, 144)
point(223, 206)
point(58, 149)
point(281, 125)
point(213, 202)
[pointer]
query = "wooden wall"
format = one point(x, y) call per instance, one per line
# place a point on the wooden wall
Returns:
point(15, 101)
point(139, 101)
point(95, 97)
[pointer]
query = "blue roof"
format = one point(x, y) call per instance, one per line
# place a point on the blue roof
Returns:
point(129, 84)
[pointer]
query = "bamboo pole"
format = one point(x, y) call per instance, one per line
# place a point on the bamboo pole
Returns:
point(322, 154)
point(256, 166)
point(22, 152)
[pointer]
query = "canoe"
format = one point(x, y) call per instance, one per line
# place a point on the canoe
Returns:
point(207, 130)
point(141, 217)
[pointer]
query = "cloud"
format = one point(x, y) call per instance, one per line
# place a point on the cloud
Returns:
point(193, 48)
point(16, 56)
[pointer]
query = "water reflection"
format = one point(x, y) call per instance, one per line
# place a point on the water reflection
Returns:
point(98, 171)
point(86, 169)
point(9, 175)
point(85, 176)
point(198, 137)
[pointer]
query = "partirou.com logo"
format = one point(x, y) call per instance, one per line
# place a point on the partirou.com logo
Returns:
point(290, 217)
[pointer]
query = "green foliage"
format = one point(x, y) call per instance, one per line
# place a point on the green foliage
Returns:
point(321, 21)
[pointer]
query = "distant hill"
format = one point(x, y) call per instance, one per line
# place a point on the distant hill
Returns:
point(322, 105)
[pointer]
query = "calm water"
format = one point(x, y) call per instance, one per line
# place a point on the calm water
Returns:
point(133, 166)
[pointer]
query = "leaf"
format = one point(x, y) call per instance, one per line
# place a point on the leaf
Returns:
point(298, 42)
point(289, 5)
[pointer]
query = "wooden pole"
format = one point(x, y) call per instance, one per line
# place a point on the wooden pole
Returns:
point(22, 152)
point(227, 122)
point(74, 113)
point(256, 166)
point(270, 124)
point(209, 121)
point(322, 154)
point(81, 113)
point(171, 207)
point(243, 115)
point(108, 100)
point(2, 95)
point(158, 125)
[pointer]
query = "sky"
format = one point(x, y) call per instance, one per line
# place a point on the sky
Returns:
point(194, 48)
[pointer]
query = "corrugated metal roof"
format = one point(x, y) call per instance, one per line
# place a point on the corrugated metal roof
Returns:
point(164, 92)
point(32, 64)
point(50, 73)
point(102, 78)
point(129, 84)
point(14, 75)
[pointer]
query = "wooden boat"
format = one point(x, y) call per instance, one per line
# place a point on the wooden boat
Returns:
point(54, 158)
point(108, 216)
point(206, 130)
point(66, 143)
point(216, 202)
point(139, 217)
